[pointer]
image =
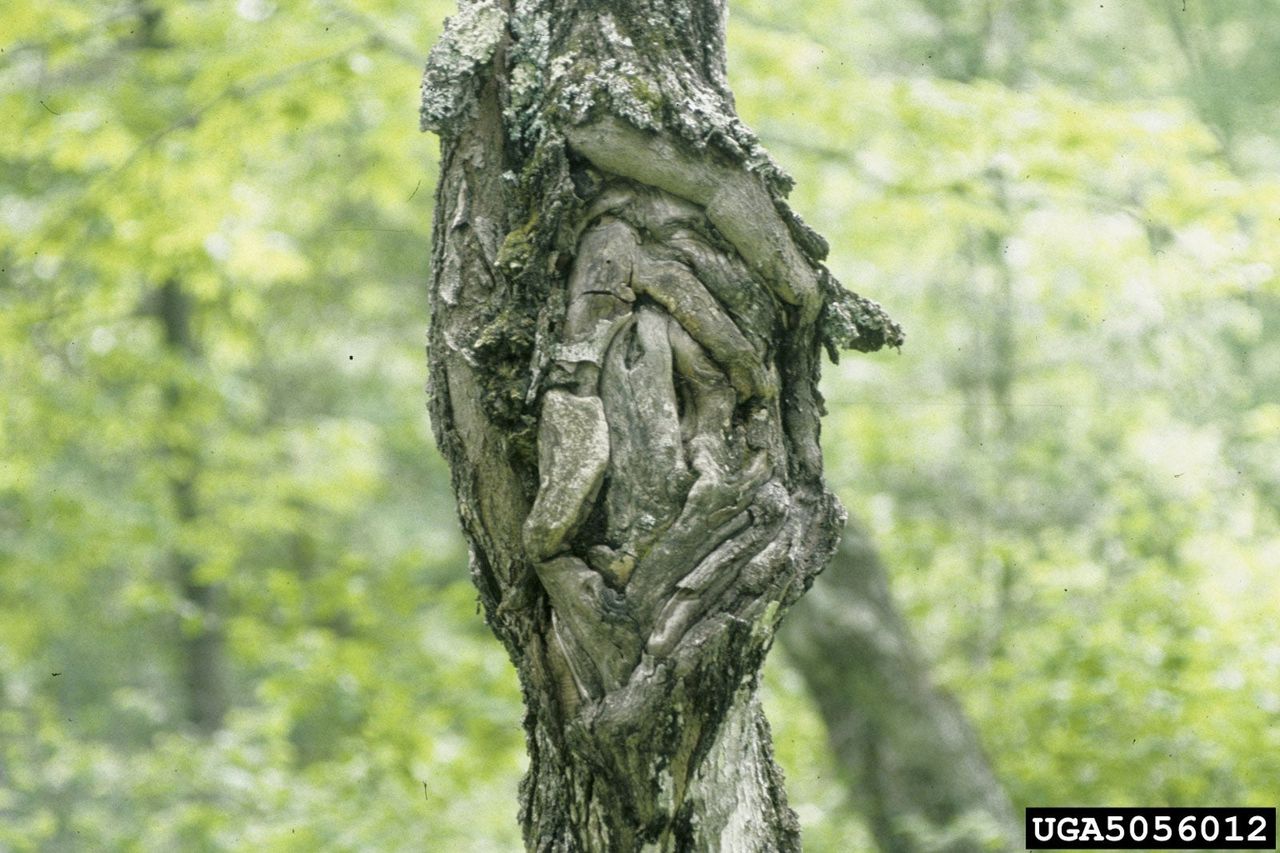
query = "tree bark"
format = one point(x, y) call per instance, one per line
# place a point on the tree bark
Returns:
point(912, 761)
point(626, 327)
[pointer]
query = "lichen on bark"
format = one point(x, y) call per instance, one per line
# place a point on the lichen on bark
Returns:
point(626, 324)
point(468, 43)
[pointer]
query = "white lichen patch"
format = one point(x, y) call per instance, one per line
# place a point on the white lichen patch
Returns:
point(469, 41)
point(529, 63)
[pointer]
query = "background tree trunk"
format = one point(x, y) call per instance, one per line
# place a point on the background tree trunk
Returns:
point(626, 325)
point(201, 640)
point(913, 762)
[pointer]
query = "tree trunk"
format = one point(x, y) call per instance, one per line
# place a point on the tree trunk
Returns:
point(201, 641)
point(626, 326)
point(913, 763)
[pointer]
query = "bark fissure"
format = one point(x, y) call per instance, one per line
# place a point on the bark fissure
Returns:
point(626, 327)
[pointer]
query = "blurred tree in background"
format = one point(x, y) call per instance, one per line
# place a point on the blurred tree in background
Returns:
point(234, 613)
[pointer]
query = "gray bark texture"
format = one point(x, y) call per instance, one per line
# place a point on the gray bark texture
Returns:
point(912, 761)
point(625, 337)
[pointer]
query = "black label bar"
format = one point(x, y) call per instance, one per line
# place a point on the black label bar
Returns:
point(1104, 828)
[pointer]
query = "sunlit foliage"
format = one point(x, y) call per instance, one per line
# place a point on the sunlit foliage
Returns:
point(1071, 468)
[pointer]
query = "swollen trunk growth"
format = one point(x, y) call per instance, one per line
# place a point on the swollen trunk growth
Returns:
point(626, 329)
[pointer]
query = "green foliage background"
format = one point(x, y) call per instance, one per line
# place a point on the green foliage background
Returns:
point(1073, 468)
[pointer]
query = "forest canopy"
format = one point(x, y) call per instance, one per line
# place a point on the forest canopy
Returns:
point(235, 610)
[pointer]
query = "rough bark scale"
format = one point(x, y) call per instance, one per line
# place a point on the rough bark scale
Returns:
point(625, 338)
point(913, 762)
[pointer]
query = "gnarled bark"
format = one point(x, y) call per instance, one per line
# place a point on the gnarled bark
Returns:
point(624, 346)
